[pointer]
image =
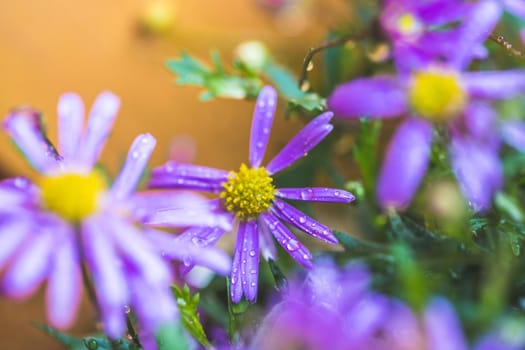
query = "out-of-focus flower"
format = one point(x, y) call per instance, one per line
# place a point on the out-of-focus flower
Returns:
point(70, 216)
point(442, 93)
point(253, 54)
point(256, 207)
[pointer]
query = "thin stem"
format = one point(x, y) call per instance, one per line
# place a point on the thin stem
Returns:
point(314, 50)
point(500, 40)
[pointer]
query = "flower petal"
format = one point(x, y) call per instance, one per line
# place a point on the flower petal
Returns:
point(266, 244)
point(18, 191)
point(442, 327)
point(303, 222)
point(136, 162)
point(99, 126)
point(108, 275)
point(64, 287)
point(315, 194)
point(513, 133)
point(405, 164)
point(236, 290)
point(250, 261)
point(287, 240)
point(313, 133)
point(70, 124)
point(474, 30)
point(188, 176)
point(480, 120)
point(25, 128)
point(495, 84)
point(378, 97)
point(262, 124)
point(30, 266)
point(13, 232)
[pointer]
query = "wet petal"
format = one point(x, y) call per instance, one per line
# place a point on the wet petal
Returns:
point(513, 133)
point(442, 12)
point(262, 124)
point(380, 97)
point(64, 287)
point(266, 244)
point(108, 274)
point(313, 133)
point(405, 164)
point(303, 222)
point(475, 28)
point(250, 260)
point(236, 290)
point(25, 128)
point(136, 162)
point(315, 194)
point(99, 126)
point(30, 267)
point(442, 327)
point(480, 120)
point(188, 176)
point(287, 240)
point(495, 84)
point(70, 123)
point(18, 191)
point(478, 170)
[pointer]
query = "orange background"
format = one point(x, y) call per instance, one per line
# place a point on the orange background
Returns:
point(50, 47)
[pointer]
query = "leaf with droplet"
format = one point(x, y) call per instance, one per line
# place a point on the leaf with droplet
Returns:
point(188, 305)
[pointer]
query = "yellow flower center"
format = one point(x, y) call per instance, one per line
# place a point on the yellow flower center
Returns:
point(436, 95)
point(72, 196)
point(248, 192)
point(408, 24)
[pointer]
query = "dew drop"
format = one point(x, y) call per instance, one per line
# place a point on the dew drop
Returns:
point(253, 284)
point(262, 103)
point(265, 130)
point(336, 193)
point(21, 182)
point(292, 245)
point(197, 241)
point(306, 194)
point(135, 155)
point(302, 219)
point(233, 281)
point(253, 271)
point(252, 252)
point(259, 144)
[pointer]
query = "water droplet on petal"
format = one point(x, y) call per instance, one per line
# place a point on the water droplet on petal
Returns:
point(252, 252)
point(233, 280)
point(336, 193)
point(135, 155)
point(197, 241)
point(259, 144)
point(266, 130)
point(253, 271)
point(127, 309)
point(253, 284)
point(292, 245)
point(302, 219)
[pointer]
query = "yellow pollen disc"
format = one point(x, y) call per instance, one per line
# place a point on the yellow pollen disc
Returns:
point(72, 196)
point(248, 192)
point(436, 95)
point(408, 24)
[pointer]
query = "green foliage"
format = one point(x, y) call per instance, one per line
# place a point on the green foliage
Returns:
point(188, 305)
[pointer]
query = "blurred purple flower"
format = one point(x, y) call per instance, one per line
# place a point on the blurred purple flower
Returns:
point(257, 209)
point(440, 92)
point(48, 229)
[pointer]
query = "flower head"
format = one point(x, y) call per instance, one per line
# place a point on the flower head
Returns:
point(73, 215)
point(440, 92)
point(257, 208)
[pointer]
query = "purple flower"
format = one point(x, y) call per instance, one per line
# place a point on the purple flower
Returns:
point(440, 92)
point(48, 230)
point(256, 207)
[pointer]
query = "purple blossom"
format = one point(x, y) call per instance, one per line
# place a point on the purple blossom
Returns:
point(49, 230)
point(437, 91)
point(257, 209)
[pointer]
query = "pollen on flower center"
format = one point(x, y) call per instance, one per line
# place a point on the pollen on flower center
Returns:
point(408, 24)
point(248, 192)
point(436, 95)
point(72, 196)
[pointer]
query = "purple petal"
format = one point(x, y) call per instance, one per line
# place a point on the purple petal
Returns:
point(30, 267)
point(99, 126)
point(64, 287)
point(313, 133)
point(303, 222)
point(188, 176)
point(136, 162)
point(18, 191)
point(405, 163)
point(442, 327)
point(262, 124)
point(143, 204)
point(478, 170)
point(236, 289)
point(250, 261)
point(192, 252)
point(201, 237)
point(442, 12)
point(480, 120)
point(267, 247)
point(13, 232)
point(25, 128)
point(380, 97)
point(108, 275)
point(495, 84)
point(287, 240)
point(473, 31)
point(70, 123)
point(136, 250)
point(316, 194)
point(513, 133)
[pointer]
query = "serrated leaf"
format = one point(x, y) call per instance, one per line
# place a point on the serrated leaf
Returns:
point(188, 305)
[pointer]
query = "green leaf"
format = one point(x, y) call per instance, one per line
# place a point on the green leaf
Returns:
point(278, 275)
point(171, 337)
point(410, 275)
point(188, 305)
point(365, 152)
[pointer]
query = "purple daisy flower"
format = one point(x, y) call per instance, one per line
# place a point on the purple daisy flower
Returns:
point(256, 207)
point(48, 229)
point(440, 93)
